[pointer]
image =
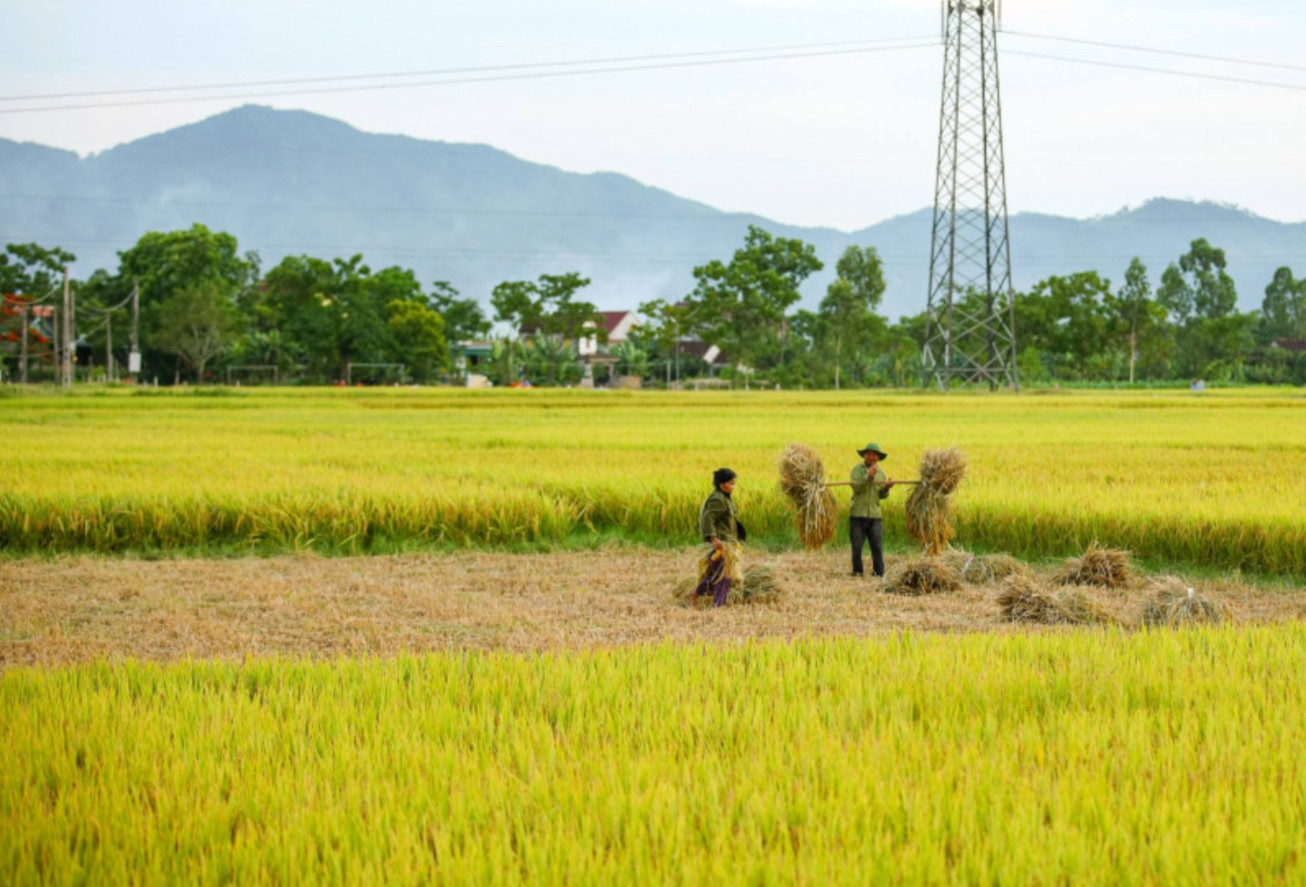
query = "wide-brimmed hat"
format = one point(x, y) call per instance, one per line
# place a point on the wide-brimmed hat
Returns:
point(873, 448)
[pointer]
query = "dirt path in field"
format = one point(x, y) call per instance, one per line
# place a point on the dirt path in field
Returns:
point(78, 609)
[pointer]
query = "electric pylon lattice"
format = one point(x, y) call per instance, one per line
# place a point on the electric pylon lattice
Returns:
point(970, 334)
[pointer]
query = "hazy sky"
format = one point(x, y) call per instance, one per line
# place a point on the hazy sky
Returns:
point(841, 139)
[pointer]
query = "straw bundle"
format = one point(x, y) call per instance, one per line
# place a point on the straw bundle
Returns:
point(983, 569)
point(929, 508)
point(1172, 603)
point(1022, 599)
point(802, 480)
point(759, 587)
point(733, 552)
point(1078, 607)
point(924, 576)
point(1103, 567)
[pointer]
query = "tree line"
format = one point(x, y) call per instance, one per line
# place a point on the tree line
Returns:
point(206, 308)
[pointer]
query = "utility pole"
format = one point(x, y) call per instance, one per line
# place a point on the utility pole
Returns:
point(970, 332)
point(108, 347)
point(134, 356)
point(66, 369)
point(22, 349)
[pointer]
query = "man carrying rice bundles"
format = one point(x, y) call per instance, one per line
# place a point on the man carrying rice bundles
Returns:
point(865, 520)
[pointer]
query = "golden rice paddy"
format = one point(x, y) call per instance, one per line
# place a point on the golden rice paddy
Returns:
point(1212, 479)
point(458, 695)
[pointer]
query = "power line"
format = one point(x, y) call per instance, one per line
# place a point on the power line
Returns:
point(442, 72)
point(1170, 71)
point(1158, 51)
point(538, 75)
point(721, 217)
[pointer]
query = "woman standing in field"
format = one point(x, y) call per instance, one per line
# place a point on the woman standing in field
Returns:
point(718, 523)
point(865, 520)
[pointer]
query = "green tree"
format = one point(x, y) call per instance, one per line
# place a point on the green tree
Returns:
point(1212, 337)
point(419, 342)
point(197, 323)
point(334, 312)
point(1067, 319)
point(1137, 314)
point(669, 323)
point(32, 270)
point(740, 305)
point(162, 264)
point(464, 321)
point(848, 318)
point(551, 360)
point(1283, 312)
point(547, 307)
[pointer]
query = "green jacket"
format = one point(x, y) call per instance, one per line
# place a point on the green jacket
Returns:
point(718, 518)
point(868, 490)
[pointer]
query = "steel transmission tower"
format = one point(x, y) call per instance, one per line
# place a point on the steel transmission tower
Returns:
point(970, 334)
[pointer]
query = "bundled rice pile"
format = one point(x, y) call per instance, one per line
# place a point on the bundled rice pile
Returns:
point(1103, 567)
point(983, 569)
point(1078, 607)
point(926, 575)
point(1022, 599)
point(802, 480)
point(1172, 603)
point(756, 585)
point(929, 508)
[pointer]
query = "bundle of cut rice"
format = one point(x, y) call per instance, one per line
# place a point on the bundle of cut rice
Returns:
point(732, 552)
point(758, 587)
point(802, 480)
point(1078, 607)
point(926, 575)
point(1103, 567)
point(929, 507)
point(983, 569)
point(1172, 603)
point(1023, 600)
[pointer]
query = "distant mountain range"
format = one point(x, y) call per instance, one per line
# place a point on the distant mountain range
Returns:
point(291, 182)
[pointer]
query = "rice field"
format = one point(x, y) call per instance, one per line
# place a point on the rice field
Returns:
point(484, 704)
point(1086, 758)
point(1214, 479)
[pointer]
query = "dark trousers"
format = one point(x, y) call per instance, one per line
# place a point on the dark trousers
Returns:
point(860, 531)
point(716, 582)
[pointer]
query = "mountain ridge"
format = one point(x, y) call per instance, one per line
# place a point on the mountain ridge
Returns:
point(292, 182)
